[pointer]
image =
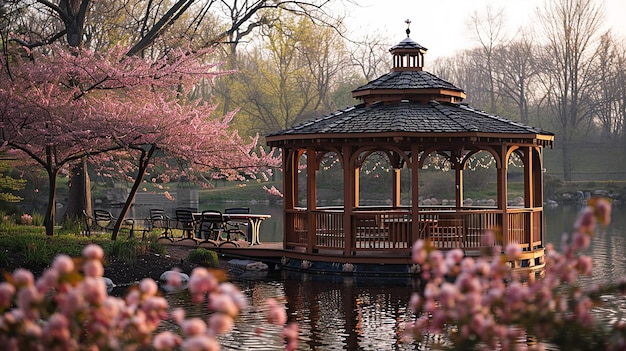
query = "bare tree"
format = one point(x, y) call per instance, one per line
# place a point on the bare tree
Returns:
point(370, 56)
point(571, 29)
point(488, 31)
point(516, 69)
point(609, 93)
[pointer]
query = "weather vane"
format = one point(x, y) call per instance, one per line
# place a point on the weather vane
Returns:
point(408, 24)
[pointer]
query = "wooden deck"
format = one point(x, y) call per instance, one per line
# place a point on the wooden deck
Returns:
point(384, 237)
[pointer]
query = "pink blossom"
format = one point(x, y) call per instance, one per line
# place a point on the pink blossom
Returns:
point(166, 341)
point(201, 282)
point(220, 323)
point(290, 334)
point(419, 253)
point(72, 302)
point(580, 241)
point(586, 222)
point(23, 277)
point(93, 252)
point(27, 300)
point(56, 330)
point(6, 294)
point(63, 264)
point(602, 209)
point(48, 280)
point(234, 293)
point(193, 326)
point(94, 290)
point(585, 265)
point(513, 251)
point(274, 312)
point(174, 280)
point(148, 287)
point(93, 268)
point(223, 303)
point(178, 315)
point(454, 256)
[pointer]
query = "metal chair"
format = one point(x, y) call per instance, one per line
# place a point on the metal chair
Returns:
point(186, 222)
point(160, 220)
point(234, 226)
point(211, 227)
point(105, 221)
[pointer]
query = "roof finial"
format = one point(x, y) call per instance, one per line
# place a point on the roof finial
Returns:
point(408, 24)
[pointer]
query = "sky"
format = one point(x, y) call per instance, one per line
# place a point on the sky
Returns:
point(441, 25)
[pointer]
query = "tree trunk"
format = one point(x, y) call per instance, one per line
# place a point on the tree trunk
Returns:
point(50, 210)
point(144, 161)
point(79, 192)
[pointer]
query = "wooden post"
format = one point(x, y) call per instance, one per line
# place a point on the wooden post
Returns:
point(414, 191)
point(350, 197)
point(311, 197)
point(502, 194)
point(396, 188)
point(290, 181)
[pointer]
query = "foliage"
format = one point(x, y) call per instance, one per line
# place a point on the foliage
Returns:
point(68, 308)
point(482, 304)
point(119, 111)
point(287, 79)
point(203, 257)
point(9, 184)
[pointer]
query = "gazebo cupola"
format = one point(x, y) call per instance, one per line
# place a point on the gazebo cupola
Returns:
point(408, 55)
point(407, 81)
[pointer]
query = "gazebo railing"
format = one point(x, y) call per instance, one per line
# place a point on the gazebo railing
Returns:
point(386, 229)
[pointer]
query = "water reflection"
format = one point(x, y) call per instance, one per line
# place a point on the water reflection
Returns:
point(366, 313)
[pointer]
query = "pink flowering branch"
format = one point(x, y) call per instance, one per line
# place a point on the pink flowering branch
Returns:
point(480, 303)
point(68, 308)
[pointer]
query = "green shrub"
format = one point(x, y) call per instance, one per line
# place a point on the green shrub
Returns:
point(203, 257)
point(38, 253)
point(153, 244)
point(124, 250)
point(69, 226)
point(37, 219)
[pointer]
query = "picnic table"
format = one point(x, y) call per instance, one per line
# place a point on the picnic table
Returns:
point(254, 219)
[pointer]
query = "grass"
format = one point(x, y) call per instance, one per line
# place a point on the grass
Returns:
point(39, 249)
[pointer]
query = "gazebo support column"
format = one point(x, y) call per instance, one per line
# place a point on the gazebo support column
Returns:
point(396, 188)
point(502, 193)
point(290, 181)
point(311, 197)
point(458, 179)
point(415, 200)
point(350, 197)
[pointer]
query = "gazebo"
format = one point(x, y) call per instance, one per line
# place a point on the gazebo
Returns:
point(407, 115)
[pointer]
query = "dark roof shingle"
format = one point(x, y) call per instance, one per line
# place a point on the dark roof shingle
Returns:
point(408, 80)
point(410, 118)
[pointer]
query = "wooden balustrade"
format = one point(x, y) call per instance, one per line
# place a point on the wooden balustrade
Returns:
point(382, 229)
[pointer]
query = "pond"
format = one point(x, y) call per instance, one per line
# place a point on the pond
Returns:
point(365, 313)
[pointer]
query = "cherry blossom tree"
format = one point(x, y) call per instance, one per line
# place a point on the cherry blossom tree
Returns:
point(58, 108)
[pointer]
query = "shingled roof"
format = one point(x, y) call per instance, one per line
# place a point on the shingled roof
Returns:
point(408, 80)
point(410, 118)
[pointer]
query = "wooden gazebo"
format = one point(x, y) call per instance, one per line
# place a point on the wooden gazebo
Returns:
point(408, 114)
